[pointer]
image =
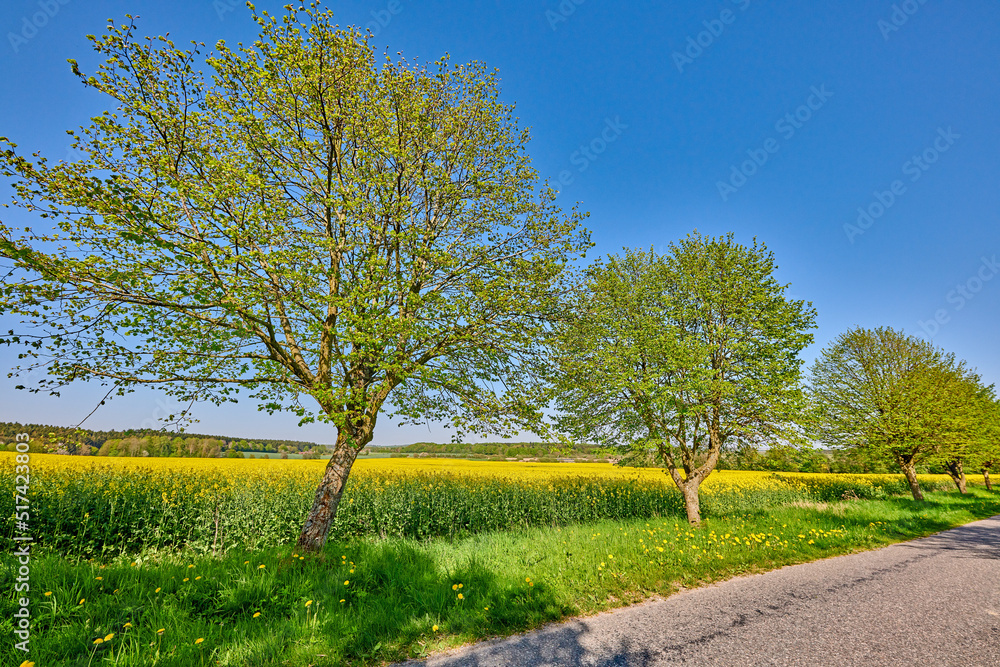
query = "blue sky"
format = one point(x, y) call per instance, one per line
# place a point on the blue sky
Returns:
point(778, 120)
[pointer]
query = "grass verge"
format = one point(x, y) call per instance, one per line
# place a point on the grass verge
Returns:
point(365, 602)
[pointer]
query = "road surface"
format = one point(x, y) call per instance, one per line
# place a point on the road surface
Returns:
point(933, 601)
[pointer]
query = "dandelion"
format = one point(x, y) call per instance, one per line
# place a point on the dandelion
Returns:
point(461, 597)
point(199, 640)
point(342, 601)
point(256, 614)
point(160, 631)
point(27, 663)
point(109, 637)
point(157, 590)
point(454, 587)
point(48, 594)
point(82, 600)
point(433, 629)
point(127, 626)
point(261, 566)
point(197, 578)
point(347, 583)
point(190, 566)
point(309, 603)
point(98, 578)
point(98, 641)
point(185, 579)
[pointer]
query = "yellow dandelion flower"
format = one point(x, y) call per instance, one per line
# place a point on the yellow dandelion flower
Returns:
point(261, 566)
point(199, 640)
point(98, 641)
point(158, 590)
point(27, 663)
point(109, 637)
point(127, 625)
point(186, 579)
point(454, 587)
point(190, 566)
point(197, 578)
point(82, 600)
point(48, 593)
point(99, 578)
point(160, 631)
point(342, 601)
point(346, 583)
point(461, 597)
point(256, 614)
point(434, 629)
point(309, 603)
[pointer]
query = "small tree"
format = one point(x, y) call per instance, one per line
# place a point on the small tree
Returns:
point(891, 394)
point(339, 237)
point(683, 353)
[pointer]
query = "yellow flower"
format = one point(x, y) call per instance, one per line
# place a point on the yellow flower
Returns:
point(261, 566)
point(160, 631)
point(256, 614)
point(434, 629)
point(157, 590)
point(185, 579)
point(98, 578)
point(309, 603)
point(127, 625)
point(461, 597)
point(346, 583)
point(109, 637)
point(98, 641)
point(82, 600)
point(197, 578)
point(199, 640)
point(246, 562)
point(342, 600)
point(27, 663)
point(190, 566)
point(47, 594)
point(454, 587)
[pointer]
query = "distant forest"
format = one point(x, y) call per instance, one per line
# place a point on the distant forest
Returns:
point(147, 442)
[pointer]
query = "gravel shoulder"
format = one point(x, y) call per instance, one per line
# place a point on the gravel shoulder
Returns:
point(934, 601)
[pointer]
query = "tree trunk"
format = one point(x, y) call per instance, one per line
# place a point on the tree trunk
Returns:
point(691, 501)
point(957, 474)
point(331, 488)
point(910, 470)
point(986, 477)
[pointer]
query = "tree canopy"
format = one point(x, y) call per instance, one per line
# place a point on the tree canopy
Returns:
point(338, 235)
point(684, 353)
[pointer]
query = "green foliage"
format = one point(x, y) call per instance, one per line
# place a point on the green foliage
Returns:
point(306, 223)
point(898, 398)
point(686, 352)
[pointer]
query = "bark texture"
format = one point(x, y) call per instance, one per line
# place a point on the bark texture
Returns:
point(986, 477)
point(910, 470)
point(331, 488)
point(957, 474)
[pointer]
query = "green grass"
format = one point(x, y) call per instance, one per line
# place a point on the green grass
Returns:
point(400, 589)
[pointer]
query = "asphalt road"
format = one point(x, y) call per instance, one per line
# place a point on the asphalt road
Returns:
point(933, 601)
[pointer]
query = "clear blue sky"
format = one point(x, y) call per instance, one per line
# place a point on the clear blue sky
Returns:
point(842, 103)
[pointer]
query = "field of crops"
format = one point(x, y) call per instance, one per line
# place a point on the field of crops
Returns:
point(98, 506)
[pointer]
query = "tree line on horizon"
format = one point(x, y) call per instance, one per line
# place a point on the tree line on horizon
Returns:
point(345, 236)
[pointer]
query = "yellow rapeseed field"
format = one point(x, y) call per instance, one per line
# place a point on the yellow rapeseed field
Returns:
point(96, 505)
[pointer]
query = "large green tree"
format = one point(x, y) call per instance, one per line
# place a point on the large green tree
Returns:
point(893, 395)
point(683, 353)
point(342, 236)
